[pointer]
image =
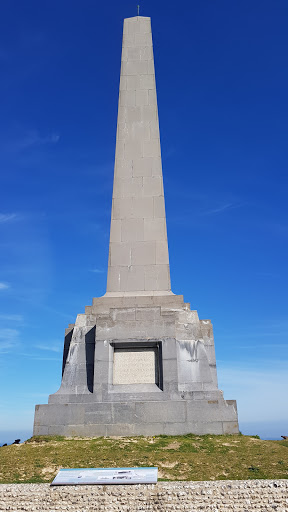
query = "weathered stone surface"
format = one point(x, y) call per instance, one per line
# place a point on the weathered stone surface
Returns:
point(220, 496)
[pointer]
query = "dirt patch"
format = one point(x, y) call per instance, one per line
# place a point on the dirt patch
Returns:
point(169, 464)
point(172, 446)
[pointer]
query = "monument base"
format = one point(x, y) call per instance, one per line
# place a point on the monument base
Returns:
point(138, 365)
point(137, 418)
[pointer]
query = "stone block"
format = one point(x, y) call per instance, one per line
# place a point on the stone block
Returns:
point(40, 430)
point(154, 130)
point(88, 430)
point(124, 412)
point(102, 350)
point(119, 152)
point(155, 229)
point(122, 208)
point(169, 349)
point(157, 166)
point(128, 99)
point(133, 149)
point(174, 428)
point(149, 113)
point(135, 67)
point(133, 53)
point(120, 429)
point(62, 414)
point(115, 231)
point(149, 314)
point(138, 130)
point(133, 82)
point(132, 278)
point(142, 166)
point(58, 430)
point(123, 83)
point(146, 53)
point(161, 412)
point(150, 66)
point(142, 97)
point(123, 168)
point(230, 427)
point(159, 207)
point(143, 208)
point(150, 429)
point(152, 186)
point(113, 279)
point(170, 373)
point(143, 40)
point(145, 25)
point(131, 26)
point(133, 114)
point(132, 230)
point(152, 97)
point(162, 256)
point(151, 147)
point(143, 253)
point(98, 413)
point(120, 254)
point(157, 277)
point(146, 82)
point(123, 315)
point(209, 412)
point(206, 427)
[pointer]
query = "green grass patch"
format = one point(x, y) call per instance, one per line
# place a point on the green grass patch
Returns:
point(189, 457)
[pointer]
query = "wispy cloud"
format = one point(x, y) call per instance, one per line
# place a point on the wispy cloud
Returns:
point(7, 217)
point(28, 139)
point(35, 357)
point(220, 209)
point(50, 348)
point(33, 138)
point(4, 286)
point(12, 318)
point(8, 339)
point(97, 270)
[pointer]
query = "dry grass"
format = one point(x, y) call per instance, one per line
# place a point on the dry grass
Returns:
point(187, 457)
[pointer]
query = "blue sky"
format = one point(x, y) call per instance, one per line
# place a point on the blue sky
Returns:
point(221, 74)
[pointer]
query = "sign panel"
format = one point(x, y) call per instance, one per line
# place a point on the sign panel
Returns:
point(105, 476)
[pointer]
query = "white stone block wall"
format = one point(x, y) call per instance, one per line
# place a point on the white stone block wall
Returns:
point(218, 496)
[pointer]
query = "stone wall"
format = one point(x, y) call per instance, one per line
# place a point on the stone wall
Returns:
point(220, 496)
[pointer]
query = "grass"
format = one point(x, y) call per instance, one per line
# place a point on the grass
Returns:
point(189, 457)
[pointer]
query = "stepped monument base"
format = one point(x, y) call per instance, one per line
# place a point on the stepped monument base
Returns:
point(142, 365)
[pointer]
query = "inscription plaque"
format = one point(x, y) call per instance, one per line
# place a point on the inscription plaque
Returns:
point(134, 366)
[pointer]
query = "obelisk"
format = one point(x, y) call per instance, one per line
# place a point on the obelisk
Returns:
point(138, 361)
point(138, 251)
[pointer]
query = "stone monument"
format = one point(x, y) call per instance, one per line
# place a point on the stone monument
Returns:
point(139, 361)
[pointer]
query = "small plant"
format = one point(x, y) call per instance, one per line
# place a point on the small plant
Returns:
point(253, 468)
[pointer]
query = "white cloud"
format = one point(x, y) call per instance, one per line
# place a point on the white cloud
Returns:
point(97, 270)
point(33, 138)
point(28, 139)
point(8, 339)
point(220, 209)
point(12, 318)
point(4, 286)
point(50, 348)
point(6, 217)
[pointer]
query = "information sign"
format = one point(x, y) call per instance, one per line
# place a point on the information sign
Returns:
point(106, 476)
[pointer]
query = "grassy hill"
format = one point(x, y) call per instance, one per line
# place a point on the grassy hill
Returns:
point(188, 457)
